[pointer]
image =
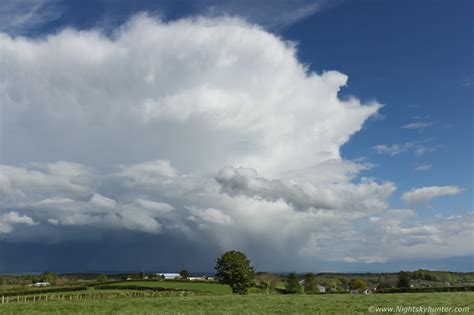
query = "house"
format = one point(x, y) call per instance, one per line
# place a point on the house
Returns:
point(168, 276)
point(201, 278)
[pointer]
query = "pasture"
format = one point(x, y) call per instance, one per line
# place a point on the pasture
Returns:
point(214, 288)
point(250, 304)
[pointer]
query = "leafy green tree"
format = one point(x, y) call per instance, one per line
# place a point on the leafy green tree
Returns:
point(310, 285)
point(403, 280)
point(292, 284)
point(50, 277)
point(358, 284)
point(184, 274)
point(384, 285)
point(233, 268)
point(102, 278)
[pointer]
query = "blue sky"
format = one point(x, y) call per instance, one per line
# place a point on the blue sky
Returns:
point(121, 134)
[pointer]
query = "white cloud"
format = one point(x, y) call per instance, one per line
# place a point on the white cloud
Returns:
point(418, 148)
point(225, 91)
point(309, 191)
point(12, 218)
point(61, 179)
point(425, 167)
point(100, 201)
point(417, 125)
point(155, 206)
point(210, 215)
point(365, 259)
point(424, 194)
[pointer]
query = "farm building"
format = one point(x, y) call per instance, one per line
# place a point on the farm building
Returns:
point(40, 284)
point(168, 276)
point(201, 278)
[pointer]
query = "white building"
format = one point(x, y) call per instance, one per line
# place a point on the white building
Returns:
point(168, 275)
point(41, 284)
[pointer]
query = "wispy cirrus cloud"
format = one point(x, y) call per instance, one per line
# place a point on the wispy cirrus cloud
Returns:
point(417, 125)
point(22, 16)
point(418, 148)
point(425, 167)
point(276, 14)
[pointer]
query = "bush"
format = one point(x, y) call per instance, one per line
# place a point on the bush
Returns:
point(267, 282)
point(358, 284)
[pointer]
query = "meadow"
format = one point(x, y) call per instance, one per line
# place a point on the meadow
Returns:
point(250, 304)
point(214, 288)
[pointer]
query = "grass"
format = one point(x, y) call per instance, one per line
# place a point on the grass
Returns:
point(251, 304)
point(214, 288)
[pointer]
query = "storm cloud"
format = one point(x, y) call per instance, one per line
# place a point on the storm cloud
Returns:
point(206, 131)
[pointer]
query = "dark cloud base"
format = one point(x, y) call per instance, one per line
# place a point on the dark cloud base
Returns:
point(137, 252)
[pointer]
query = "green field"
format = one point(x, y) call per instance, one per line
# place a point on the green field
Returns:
point(214, 288)
point(251, 304)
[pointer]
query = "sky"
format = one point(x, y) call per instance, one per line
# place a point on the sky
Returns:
point(312, 135)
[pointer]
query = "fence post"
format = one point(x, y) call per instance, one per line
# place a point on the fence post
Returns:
point(3, 299)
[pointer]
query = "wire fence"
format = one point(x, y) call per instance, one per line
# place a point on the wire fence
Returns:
point(89, 296)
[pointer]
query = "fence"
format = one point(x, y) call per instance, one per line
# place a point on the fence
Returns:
point(5, 299)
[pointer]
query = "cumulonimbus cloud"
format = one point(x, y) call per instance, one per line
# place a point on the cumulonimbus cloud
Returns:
point(222, 90)
point(143, 120)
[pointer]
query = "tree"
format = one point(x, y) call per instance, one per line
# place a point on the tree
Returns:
point(310, 285)
point(384, 285)
point(292, 284)
point(184, 274)
point(49, 277)
point(403, 280)
point(233, 268)
point(358, 284)
point(102, 278)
